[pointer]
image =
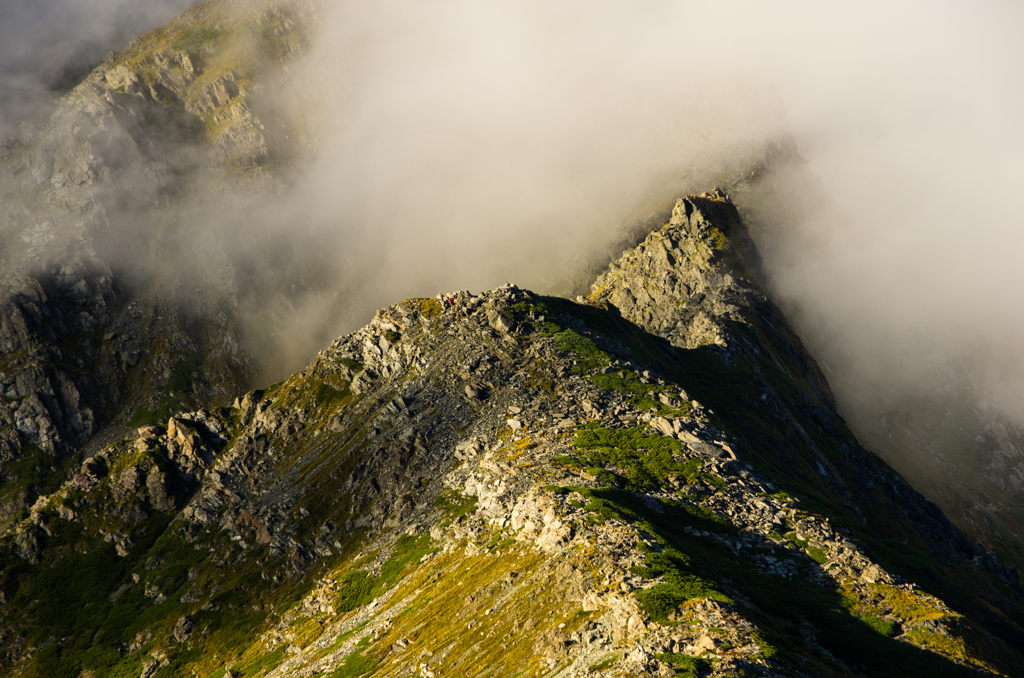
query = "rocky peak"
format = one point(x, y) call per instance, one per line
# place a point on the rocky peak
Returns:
point(697, 282)
point(681, 281)
point(651, 481)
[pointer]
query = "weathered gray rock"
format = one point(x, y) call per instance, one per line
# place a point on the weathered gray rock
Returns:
point(160, 493)
point(500, 322)
point(183, 629)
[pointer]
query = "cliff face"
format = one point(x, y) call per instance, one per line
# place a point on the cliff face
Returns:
point(512, 484)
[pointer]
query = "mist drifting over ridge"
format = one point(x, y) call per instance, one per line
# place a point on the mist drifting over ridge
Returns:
point(454, 145)
point(478, 144)
point(194, 237)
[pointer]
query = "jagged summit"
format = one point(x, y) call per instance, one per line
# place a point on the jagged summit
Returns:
point(697, 281)
point(513, 484)
point(679, 282)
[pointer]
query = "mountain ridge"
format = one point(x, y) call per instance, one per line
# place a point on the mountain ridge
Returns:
point(651, 480)
point(117, 306)
point(477, 481)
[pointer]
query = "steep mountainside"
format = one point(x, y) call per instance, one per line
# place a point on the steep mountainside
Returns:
point(510, 484)
point(652, 480)
point(942, 434)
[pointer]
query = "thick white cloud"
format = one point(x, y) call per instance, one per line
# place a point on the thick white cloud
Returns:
point(477, 142)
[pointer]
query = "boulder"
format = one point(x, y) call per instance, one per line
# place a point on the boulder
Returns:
point(183, 629)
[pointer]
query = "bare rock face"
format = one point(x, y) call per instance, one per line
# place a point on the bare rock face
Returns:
point(183, 629)
point(214, 94)
point(680, 282)
point(697, 282)
point(174, 72)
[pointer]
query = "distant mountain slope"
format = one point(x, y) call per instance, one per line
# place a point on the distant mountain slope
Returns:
point(117, 305)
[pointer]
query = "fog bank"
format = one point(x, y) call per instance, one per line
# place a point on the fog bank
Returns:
point(460, 145)
point(467, 144)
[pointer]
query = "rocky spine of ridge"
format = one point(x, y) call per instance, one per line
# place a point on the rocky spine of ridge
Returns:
point(697, 281)
point(511, 484)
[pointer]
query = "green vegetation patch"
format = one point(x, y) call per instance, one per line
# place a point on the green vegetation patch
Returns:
point(326, 396)
point(357, 589)
point(567, 460)
point(623, 505)
point(628, 383)
point(796, 541)
point(361, 587)
point(680, 584)
point(429, 308)
point(354, 665)
point(904, 604)
point(194, 39)
point(605, 664)
point(882, 626)
point(590, 356)
point(260, 664)
point(685, 665)
point(455, 504)
point(635, 438)
point(719, 242)
point(352, 364)
point(647, 459)
point(818, 555)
